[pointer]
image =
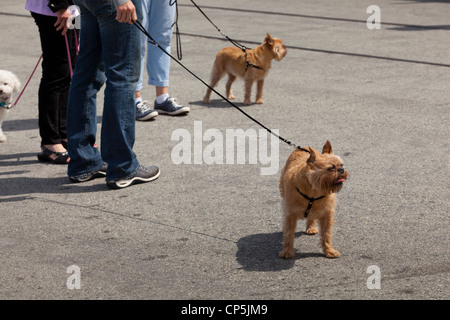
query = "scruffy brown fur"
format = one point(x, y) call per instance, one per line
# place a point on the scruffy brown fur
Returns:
point(231, 61)
point(315, 175)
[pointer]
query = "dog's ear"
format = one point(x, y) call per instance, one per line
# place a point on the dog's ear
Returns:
point(327, 147)
point(269, 39)
point(312, 156)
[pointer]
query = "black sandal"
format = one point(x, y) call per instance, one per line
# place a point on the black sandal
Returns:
point(61, 157)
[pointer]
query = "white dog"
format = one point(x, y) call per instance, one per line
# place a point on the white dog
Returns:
point(9, 84)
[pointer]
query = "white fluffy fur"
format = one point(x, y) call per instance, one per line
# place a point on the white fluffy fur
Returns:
point(9, 84)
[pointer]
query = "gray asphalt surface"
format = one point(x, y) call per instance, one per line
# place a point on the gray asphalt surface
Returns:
point(214, 231)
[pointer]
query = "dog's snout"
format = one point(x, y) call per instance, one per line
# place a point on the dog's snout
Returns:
point(341, 170)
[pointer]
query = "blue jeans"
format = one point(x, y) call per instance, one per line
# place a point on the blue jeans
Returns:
point(104, 42)
point(157, 19)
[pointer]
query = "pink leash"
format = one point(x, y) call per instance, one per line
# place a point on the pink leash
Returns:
point(40, 58)
point(17, 100)
point(68, 50)
point(68, 55)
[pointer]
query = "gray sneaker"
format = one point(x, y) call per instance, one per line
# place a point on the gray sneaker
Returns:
point(171, 107)
point(144, 112)
point(142, 175)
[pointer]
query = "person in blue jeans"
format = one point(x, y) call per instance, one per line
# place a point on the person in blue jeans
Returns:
point(109, 51)
point(158, 17)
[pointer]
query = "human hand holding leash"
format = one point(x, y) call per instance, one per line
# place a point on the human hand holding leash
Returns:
point(126, 13)
point(64, 19)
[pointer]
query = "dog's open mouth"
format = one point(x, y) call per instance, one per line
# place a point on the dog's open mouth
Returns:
point(339, 181)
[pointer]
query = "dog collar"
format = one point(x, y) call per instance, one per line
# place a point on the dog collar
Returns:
point(6, 106)
point(311, 200)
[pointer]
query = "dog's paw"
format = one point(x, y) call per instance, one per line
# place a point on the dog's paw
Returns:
point(231, 97)
point(312, 231)
point(206, 100)
point(332, 253)
point(287, 254)
point(259, 101)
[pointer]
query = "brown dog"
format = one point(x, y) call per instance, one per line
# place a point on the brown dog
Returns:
point(252, 66)
point(308, 186)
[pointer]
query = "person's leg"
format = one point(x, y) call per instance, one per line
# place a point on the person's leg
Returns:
point(121, 55)
point(144, 21)
point(160, 22)
point(72, 41)
point(144, 111)
point(158, 63)
point(55, 81)
point(82, 108)
point(160, 92)
point(116, 45)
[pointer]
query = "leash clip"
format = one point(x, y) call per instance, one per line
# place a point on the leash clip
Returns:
point(7, 106)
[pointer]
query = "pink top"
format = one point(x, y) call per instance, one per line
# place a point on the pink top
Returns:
point(39, 6)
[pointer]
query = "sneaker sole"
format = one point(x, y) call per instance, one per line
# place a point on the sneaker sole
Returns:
point(174, 113)
point(98, 174)
point(148, 117)
point(134, 180)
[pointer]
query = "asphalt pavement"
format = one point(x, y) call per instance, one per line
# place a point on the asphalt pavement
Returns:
point(210, 226)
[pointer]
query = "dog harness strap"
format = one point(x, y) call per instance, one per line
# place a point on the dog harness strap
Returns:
point(303, 149)
point(311, 200)
point(248, 64)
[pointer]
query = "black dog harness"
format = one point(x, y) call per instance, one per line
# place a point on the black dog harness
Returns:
point(248, 64)
point(311, 200)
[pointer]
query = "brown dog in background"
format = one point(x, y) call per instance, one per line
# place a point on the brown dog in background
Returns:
point(308, 186)
point(232, 61)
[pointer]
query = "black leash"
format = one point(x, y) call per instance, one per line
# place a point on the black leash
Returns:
point(152, 41)
point(177, 30)
point(234, 42)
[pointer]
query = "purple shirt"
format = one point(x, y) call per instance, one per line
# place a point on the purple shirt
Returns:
point(39, 6)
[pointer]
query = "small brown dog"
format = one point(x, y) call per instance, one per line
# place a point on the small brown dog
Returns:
point(252, 66)
point(308, 186)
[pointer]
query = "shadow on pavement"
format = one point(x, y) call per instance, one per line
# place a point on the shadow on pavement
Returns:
point(260, 252)
point(24, 186)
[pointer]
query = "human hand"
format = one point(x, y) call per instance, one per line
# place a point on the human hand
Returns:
point(126, 13)
point(64, 19)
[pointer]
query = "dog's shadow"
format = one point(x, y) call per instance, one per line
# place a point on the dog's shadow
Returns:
point(221, 103)
point(260, 252)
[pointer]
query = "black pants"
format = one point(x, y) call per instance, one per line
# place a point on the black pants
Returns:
point(55, 81)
